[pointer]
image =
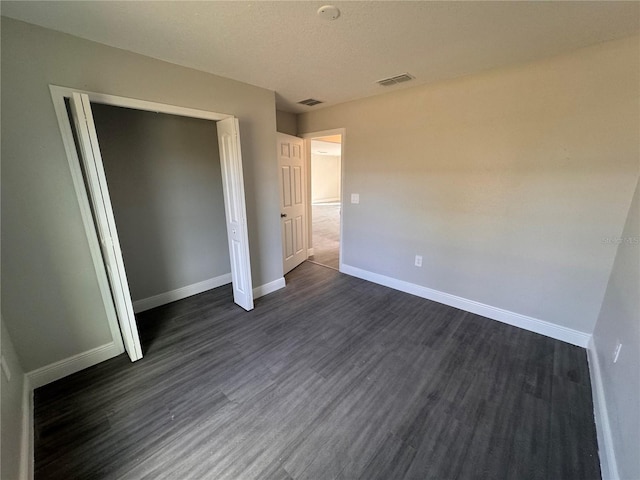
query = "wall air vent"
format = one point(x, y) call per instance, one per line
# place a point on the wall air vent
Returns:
point(309, 102)
point(387, 82)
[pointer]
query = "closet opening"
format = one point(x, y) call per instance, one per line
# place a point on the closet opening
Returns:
point(162, 196)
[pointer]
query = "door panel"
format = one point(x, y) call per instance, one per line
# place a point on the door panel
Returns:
point(285, 181)
point(297, 185)
point(105, 222)
point(235, 209)
point(292, 201)
point(299, 239)
point(288, 239)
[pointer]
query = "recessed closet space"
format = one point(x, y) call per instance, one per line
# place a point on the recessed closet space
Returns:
point(165, 184)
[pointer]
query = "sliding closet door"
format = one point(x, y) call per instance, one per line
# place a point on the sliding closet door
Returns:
point(235, 210)
point(105, 222)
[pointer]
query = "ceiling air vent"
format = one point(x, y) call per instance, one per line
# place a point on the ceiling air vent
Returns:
point(387, 82)
point(309, 102)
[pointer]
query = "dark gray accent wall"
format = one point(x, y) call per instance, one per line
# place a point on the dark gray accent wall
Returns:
point(165, 183)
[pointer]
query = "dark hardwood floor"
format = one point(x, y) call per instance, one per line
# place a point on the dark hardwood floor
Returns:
point(330, 378)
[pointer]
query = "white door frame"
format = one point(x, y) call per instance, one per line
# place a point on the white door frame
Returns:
point(58, 95)
point(307, 149)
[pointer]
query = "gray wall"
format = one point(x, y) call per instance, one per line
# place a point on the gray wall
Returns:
point(505, 182)
point(165, 182)
point(11, 409)
point(619, 321)
point(286, 122)
point(51, 301)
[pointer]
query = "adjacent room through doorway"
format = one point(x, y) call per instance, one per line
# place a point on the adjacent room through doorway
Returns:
point(326, 170)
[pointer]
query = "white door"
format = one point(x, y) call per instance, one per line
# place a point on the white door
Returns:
point(293, 205)
point(105, 222)
point(235, 210)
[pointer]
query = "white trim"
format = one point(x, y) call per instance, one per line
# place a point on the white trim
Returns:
point(542, 327)
point(55, 371)
point(608, 464)
point(26, 442)
point(58, 95)
point(262, 290)
point(180, 293)
point(309, 252)
point(137, 104)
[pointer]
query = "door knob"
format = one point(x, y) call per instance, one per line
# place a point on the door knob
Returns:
point(283, 215)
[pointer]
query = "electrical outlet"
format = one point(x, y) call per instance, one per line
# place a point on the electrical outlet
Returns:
point(616, 352)
point(355, 198)
point(418, 260)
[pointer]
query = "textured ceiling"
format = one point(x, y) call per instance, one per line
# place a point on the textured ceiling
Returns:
point(286, 47)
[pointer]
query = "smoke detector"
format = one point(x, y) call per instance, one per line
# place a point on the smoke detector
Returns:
point(328, 12)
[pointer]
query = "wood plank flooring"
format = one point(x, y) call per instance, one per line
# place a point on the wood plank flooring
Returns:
point(330, 378)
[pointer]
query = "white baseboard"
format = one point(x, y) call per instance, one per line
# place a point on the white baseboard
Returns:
point(309, 252)
point(26, 442)
point(267, 288)
point(542, 327)
point(55, 371)
point(180, 293)
point(608, 465)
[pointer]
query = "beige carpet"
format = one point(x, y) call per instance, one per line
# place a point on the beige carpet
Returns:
point(326, 234)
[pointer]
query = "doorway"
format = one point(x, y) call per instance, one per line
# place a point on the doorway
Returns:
point(90, 183)
point(326, 199)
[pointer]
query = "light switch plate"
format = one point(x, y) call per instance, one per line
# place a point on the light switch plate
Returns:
point(355, 198)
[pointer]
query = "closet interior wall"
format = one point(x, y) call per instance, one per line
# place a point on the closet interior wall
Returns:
point(164, 179)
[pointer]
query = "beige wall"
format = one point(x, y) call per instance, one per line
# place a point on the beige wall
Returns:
point(165, 184)
point(12, 406)
point(619, 321)
point(51, 302)
point(505, 182)
point(286, 122)
point(325, 178)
